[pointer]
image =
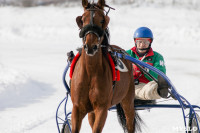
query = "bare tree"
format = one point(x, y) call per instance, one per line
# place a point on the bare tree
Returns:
point(174, 2)
point(27, 3)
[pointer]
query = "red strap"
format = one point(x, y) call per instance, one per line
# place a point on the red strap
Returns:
point(115, 73)
point(118, 75)
point(112, 66)
point(73, 65)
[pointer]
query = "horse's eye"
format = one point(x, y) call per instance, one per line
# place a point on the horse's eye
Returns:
point(102, 21)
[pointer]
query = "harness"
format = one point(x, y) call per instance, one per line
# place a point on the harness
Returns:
point(115, 73)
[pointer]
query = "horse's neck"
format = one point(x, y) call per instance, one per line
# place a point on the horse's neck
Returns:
point(93, 64)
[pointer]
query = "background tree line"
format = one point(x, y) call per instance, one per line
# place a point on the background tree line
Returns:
point(30, 3)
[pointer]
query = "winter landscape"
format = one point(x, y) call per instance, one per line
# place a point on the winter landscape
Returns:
point(33, 46)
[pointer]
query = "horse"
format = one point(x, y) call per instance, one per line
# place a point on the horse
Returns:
point(92, 90)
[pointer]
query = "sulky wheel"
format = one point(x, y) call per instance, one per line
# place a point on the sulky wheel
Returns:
point(65, 128)
point(193, 128)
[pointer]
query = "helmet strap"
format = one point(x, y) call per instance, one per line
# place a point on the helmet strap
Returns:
point(147, 50)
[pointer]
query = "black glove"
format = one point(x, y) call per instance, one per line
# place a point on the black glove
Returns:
point(70, 56)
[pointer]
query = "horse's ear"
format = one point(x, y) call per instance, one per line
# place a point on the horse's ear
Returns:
point(101, 3)
point(79, 21)
point(85, 3)
point(107, 20)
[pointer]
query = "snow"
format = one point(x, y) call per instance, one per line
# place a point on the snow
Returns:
point(33, 46)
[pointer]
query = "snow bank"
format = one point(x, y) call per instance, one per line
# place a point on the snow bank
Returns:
point(174, 26)
point(17, 89)
point(33, 24)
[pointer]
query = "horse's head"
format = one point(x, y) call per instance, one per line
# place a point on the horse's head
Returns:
point(92, 23)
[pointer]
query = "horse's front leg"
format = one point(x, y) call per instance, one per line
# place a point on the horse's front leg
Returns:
point(100, 119)
point(77, 116)
point(91, 119)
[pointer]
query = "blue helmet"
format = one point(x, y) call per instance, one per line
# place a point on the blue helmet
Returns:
point(143, 32)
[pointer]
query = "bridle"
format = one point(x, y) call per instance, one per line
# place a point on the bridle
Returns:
point(93, 28)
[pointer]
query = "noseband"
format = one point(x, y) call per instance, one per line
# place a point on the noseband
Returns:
point(98, 31)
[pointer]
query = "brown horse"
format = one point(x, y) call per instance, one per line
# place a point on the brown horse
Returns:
point(92, 90)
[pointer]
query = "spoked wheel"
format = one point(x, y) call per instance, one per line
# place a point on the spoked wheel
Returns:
point(65, 128)
point(193, 128)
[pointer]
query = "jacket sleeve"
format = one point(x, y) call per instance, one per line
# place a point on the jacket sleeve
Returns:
point(159, 63)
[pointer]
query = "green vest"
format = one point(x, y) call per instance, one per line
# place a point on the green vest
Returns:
point(154, 59)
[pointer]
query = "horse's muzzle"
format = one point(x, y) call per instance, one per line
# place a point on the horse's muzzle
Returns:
point(90, 51)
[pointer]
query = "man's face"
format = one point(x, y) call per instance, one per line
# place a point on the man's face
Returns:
point(142, 44)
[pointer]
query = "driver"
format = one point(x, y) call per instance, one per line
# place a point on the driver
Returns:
point(145, 87)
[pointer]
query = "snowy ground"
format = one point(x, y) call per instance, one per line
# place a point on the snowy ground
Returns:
point(33, 46)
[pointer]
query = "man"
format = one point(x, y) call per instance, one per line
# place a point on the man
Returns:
point(146, 88)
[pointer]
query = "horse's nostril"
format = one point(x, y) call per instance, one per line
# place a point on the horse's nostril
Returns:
point(95, 47)
point(85, 46)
